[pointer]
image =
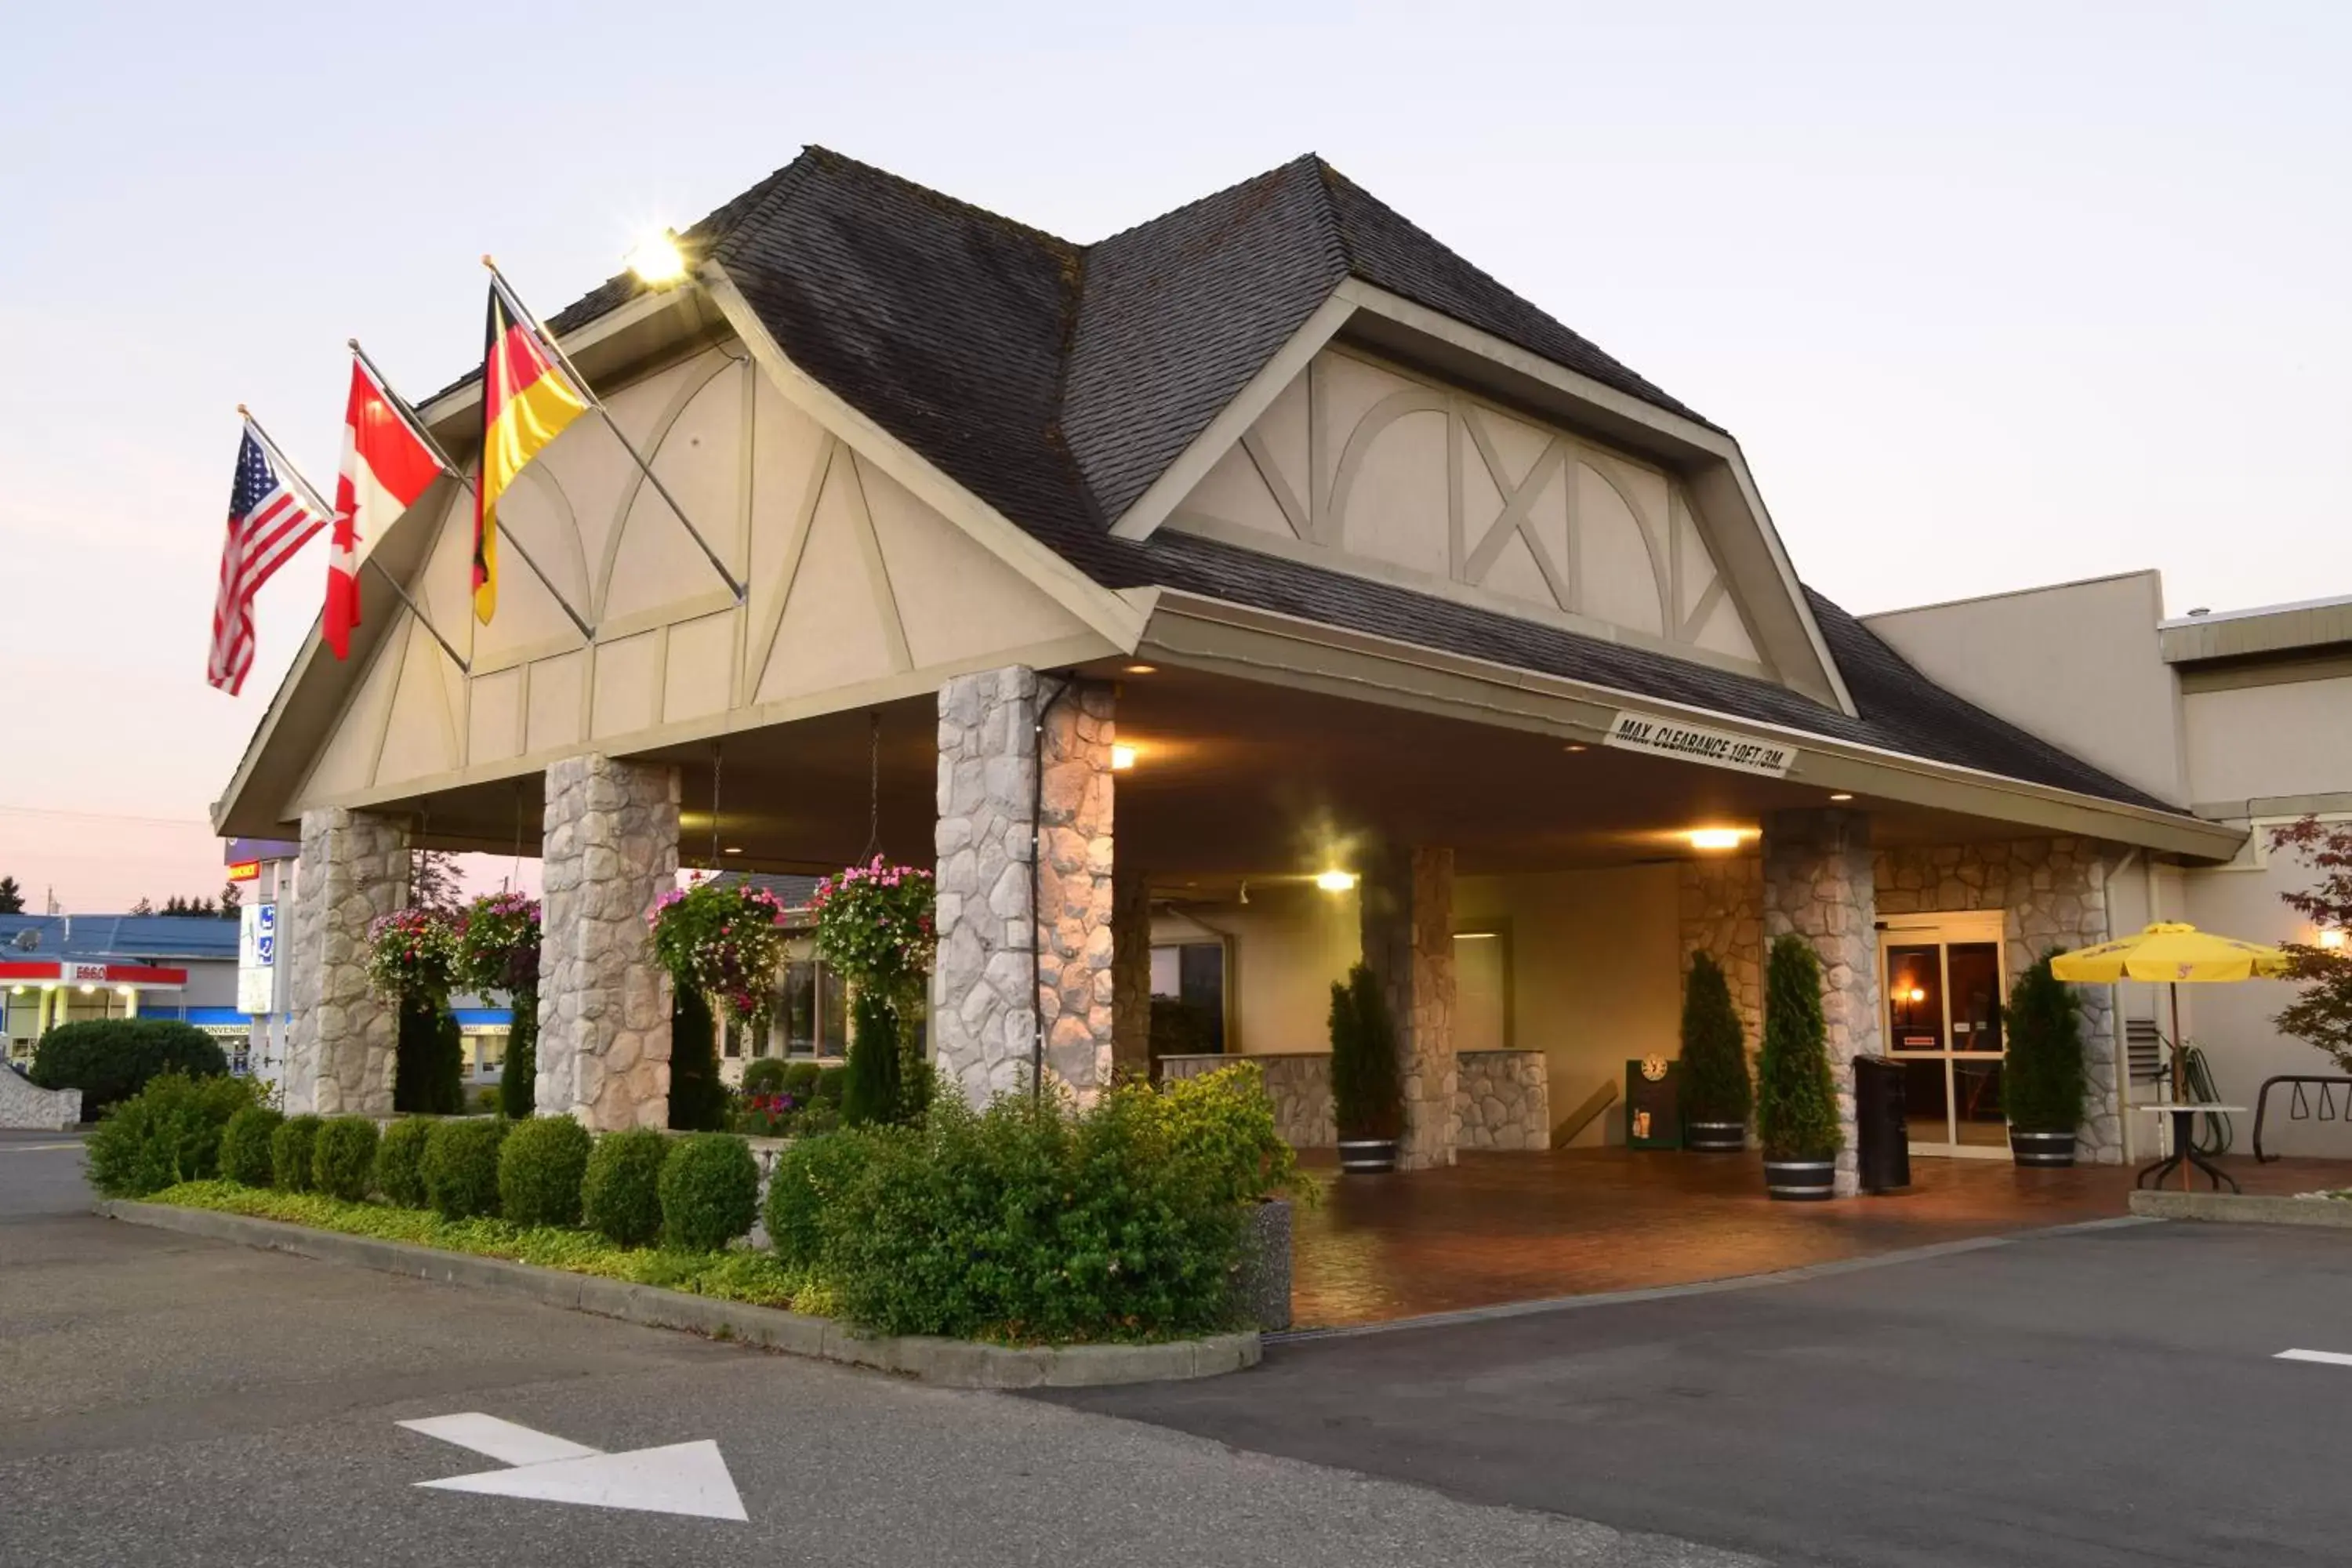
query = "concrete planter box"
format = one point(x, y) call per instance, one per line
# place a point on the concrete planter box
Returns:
point(1262, 1289)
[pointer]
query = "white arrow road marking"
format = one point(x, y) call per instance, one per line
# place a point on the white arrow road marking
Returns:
point(2329, 1358)
point(680, 1478)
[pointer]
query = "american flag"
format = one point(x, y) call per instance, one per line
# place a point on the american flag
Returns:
point(268, 520)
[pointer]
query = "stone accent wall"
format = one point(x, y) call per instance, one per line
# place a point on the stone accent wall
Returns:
point(22, 1106)
point(1130, 971)
point(1299, 1086)
point(1818, 883)
point(610, 850)
point(998, 915)
point(354, 870)
point(1723, 915)
point(1503, 1100)
point(2051, 892)
point(1408, 939)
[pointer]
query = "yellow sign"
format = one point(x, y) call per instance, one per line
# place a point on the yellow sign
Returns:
point(244, 871)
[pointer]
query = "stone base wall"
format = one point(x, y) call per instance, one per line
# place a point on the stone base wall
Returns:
point(1503, 1099)
point(610, 850)
point(1723, 916)
point(23, 1107)
point(1299, 1086)
point(345, 1041)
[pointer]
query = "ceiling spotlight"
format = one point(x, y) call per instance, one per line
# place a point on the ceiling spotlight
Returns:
point(1576, 746)
point(1122, 758)
point(1842, 795)
point(1715, 837)
point(732, 850)
point(1335, 882)
point(86, 990)
point(1142, 670)
point(657, 259)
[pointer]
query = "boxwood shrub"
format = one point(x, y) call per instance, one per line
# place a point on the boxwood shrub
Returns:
point(800, 1081)
point(291, 1149)
point(245, 1145)
point(169, 1133)
point(342, 1158)
point(110, 1060)
point(765, 1076)
point(461, 1167)
point(540, 1168)
point(399, 1161)
point(709, 1192)
point(810, 1176)
point(620, 1195)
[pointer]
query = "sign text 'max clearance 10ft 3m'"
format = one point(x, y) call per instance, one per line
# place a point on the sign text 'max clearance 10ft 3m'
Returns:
point(1667, 738)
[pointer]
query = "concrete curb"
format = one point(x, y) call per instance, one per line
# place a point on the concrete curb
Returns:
point(2231, 1208)
point(950, 1363)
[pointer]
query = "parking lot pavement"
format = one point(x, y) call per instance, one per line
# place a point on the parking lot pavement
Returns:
point(164, 1399)
point(2106, 1395)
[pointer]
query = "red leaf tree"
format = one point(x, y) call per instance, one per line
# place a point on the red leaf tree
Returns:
point(2323, 1014)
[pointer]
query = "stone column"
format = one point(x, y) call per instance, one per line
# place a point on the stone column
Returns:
point(1023, 940)
point(1817, 882)
point(1130, 972)
point(346, 1040)
point(610, 850)
point(1407, 918)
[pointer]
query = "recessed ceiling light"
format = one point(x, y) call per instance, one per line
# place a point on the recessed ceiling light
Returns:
point(732, 850)
point(1335, 882)
point(1715, 837)
point(1842, 795)
point(1142, 670)
point(1576, 746)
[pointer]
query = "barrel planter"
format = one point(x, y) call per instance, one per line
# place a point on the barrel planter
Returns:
point(2042, 1149)
point(1367, 1156)
point(1801, 1180)
point(1714, 1137)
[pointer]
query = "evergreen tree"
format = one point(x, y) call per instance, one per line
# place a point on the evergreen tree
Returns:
point(1367, 1086)
point(1715, 1085)
point(698, 1100)
point(434, 880)
point(143, 906)
point(231, 901)
point(12, 897)
point(1796, 1097)
point(873, 1091)
point(517, 1080)
point(428, 1071)
point(2043, 1082)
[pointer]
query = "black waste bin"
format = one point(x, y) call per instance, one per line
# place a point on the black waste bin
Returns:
point(1884, 1139)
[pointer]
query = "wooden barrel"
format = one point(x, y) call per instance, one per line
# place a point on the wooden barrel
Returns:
point(1801, 1180)
point(1367, 1156)
point(1714, 1137)
point(2042, 1148)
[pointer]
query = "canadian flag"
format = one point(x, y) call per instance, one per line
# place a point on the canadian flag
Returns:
point(386, 466)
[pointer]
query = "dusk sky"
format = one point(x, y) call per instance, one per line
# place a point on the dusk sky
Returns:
point(1992, 295)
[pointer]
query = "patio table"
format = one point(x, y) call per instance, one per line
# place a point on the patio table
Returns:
point(2184, 1146)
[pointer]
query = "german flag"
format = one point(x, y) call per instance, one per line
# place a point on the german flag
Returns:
point(526, 404)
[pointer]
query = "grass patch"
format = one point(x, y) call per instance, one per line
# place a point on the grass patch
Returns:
point(737, 1275)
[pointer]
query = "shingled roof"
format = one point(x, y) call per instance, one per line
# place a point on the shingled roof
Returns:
point(1056, 381)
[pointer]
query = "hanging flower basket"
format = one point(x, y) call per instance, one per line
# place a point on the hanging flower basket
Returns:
point(873, 926)
point(726, 941)
point(498, 945)
point(413, 955)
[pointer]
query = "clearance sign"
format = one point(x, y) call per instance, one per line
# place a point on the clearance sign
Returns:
point(1667, 738)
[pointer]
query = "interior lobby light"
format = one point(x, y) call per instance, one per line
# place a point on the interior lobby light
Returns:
point(1715, 837)
point(656, 260)
point(1335, 882)
point(1122, 758)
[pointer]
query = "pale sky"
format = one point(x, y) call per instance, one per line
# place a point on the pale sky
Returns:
point(1991, 295)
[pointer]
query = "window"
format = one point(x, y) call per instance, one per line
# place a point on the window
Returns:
point(1188, 999)
point(815, 1016)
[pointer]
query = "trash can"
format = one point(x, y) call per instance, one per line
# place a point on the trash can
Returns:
point(1884, 1139)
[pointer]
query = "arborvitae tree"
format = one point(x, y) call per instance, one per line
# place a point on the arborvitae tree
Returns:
point(1796, 1097)
point(2043, 1082)
point(1367, 1084)
point(517, 1080)
point(12, 897)
point(429, 1064)
point(1715, 1085)
point(873, 1091)
point(698, 1098)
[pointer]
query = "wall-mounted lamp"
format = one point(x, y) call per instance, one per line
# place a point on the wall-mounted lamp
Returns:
point(1122, 758)
point(1335, 881)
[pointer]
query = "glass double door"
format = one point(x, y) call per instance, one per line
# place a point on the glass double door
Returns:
point(1941, 988)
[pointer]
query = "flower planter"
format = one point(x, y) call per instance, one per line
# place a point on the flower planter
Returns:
point(1801, 1180)
point(1714, 1137)
point(1367, 1156)
point(2042, 1148)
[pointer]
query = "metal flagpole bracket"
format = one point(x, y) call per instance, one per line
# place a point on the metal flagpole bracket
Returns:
point(588, 395)
point(400, 406)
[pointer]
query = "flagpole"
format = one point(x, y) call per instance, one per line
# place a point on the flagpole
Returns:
point(588, 395)
point(415, 423)
point(285, 466)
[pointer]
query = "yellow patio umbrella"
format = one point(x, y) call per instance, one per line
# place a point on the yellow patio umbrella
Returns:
point(2170, 951)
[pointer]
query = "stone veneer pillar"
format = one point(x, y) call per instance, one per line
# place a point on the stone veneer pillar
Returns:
point(346, 1040)
point(1000, 913)
point(610, 849)
point(1130, 972)
point(1407, 919)
point(1818, 883)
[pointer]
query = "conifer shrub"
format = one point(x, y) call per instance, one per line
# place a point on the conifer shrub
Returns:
point(620, 1192)
point(709, 1188)
point(541, 1167)
point(1367, 1089)
point(245, 1145)
point(399, 1161)
point(2042, 1080)
point(698, 1096)
point(872, 1093)
point(1715, 1085)
point(461, 1167)
point(292, 1148)
point(1796, 1096)
point(342, 1158)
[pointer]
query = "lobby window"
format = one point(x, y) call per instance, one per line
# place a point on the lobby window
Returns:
point(1188, 999)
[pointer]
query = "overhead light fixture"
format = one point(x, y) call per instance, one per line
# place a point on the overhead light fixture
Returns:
point(1576, 746)
point(1917, 994)
point(15, 991)
point(126, 991)
point(732, 850)
point(88, 989)
point(1142, 670)
point(1122, 758)
point(657, 259)
point(1335, 881)
point(1842, 795)
point(1715, 837)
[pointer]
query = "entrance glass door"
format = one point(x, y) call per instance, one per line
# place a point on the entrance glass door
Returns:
point(1942, 989)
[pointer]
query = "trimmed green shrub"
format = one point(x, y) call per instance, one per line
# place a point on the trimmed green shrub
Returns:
point(400, 1163)
point(245, 1145)
point(540, 1169)
point(110, 1060)
point(1715, 1085)
point(292, 1148)
point(342, 1158)
point(461, 1167)
point(1367, 1090)
point(168, 1132)
point(810, 1176)
point(620, 1195)
point(2042, 1081)
point(830, 1083)
point(1796, 1097)
point(709, 1192)
point(518, 1078)
point(800, 1081)
point(429, 1067)
point(764, 1075)
point(871, 1093)
point(697, 1097)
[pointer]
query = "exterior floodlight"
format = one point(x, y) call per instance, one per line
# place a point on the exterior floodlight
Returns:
point(1715, 837)
point(657, 259)
point(1335, 882)
point(1122, 758)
